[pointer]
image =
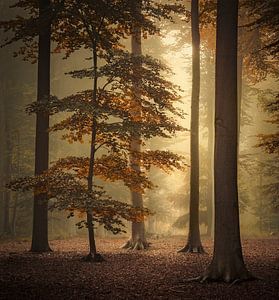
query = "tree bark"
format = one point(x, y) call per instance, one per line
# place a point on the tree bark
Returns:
point(194, 241)
point(40, 209)
point(227, 263)
point(210, 148)
point(138, 239)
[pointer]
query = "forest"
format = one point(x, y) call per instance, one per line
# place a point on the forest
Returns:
point(139, 149)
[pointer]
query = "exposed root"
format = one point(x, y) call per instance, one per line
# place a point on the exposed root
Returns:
point(192, 249)
point(136, 245)
point(177, 287)
point(194, 279)
point(91, 257)
point(226, 277)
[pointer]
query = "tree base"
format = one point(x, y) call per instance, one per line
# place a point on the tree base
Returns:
point(192, 249)
point(94, 257)
point(41, 250)
point(136, 245)
point(231, 275)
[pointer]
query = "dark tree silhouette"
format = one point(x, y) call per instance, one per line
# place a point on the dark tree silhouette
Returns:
point(40, 210)
point(227, 263)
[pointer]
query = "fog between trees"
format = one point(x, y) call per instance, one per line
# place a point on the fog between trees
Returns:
point(168, 200)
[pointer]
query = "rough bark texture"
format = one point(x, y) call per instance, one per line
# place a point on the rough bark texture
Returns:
point(40, 210)
point(227, 264)
point(137, 240)
point(194, 241)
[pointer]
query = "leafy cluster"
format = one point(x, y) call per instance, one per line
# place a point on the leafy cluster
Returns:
point(69, 193)
point(129, 98)
point(78, 24)
point(264, 15)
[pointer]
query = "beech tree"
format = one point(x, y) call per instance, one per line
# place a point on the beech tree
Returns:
point(227, 263)
point(137, 240)
point(40, 209)
point(26, 29)
point(194, 241)
point(264, 16)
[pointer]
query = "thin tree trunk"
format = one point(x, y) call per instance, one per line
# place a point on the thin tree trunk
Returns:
point(6, 225)
point(137, 240)
point(194, 240)
point(210, 150)
point(7, 177)
point(14, 215)
point(40, 210)
point(14, 211)
point(227, 263)
point(2, 153)
point(93, 255)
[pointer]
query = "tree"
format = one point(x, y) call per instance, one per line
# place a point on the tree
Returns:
point(227, 263)
point(40, 208)
point(6, 169)
point(194, 241)
point(270, 103)
point(264, 16)
point(270, 144)
point(25, 30)
point(137, 240)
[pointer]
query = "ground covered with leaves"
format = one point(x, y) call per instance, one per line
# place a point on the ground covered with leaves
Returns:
point(157, 273)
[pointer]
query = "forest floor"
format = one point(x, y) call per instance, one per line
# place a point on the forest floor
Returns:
point(157, 273)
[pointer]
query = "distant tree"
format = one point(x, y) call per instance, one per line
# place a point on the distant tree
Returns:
point(6, 162)
point(270, 103)
point(264, 16)
point(137, 240)
point(194, 241)
point(227, 263)
point(270, 144)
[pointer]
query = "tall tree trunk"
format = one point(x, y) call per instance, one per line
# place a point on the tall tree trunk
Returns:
point(2, 154)
point(7, 177)
point(194, 240)
point(15, 204)
point(210, 147)
point(210, 179)
point(137, 240)
point(239, 93)
point(93, 255)
point(40, 210)
point(4, 163)
point(227, 263)
point(239, 86)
